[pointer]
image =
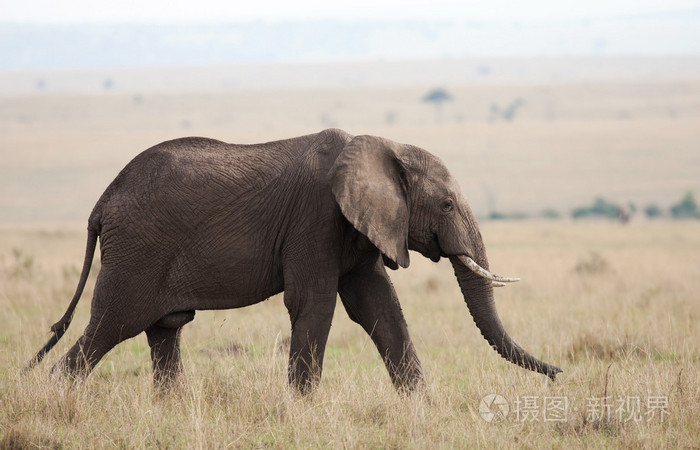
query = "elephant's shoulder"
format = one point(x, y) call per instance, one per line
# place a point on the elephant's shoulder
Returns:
point(335, 135)
point(325, 147)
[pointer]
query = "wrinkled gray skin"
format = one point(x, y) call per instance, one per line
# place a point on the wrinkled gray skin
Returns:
point(197, 224)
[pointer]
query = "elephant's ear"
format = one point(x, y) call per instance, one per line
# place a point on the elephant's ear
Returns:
point(368, 182)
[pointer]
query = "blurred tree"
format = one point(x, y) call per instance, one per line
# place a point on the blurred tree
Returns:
point(508, 113)
point(550, 213)
point(653, 211)
point(687, 208)
point(438, 97)
point(517, 215)
point(601, 208)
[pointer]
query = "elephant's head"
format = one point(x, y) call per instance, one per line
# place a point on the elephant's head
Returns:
point(402, 197)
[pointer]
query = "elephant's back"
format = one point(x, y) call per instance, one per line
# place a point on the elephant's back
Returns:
point(188, 164)
point(186, 179)
point(175, 166)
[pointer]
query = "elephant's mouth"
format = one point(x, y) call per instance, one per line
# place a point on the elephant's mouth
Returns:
point(434, 249)
point(435, 252)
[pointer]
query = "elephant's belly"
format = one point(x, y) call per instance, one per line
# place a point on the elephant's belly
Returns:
point(230, 300)
point(224, 286)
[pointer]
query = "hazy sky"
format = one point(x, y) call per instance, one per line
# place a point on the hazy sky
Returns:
point(67, 11)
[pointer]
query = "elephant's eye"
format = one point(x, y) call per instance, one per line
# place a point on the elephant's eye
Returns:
point(447, 205)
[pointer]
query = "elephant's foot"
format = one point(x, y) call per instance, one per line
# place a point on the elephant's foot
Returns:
point(304, 377)
point(407, 377)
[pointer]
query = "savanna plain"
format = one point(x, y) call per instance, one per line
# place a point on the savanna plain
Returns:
point(615, 306)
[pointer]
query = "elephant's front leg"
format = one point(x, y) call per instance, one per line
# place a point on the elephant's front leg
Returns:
point(370, 300)
point(311, 305)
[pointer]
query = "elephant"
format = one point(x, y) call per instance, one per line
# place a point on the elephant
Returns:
point(199, 224)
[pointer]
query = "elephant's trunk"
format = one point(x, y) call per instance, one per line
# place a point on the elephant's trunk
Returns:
point(478, 293)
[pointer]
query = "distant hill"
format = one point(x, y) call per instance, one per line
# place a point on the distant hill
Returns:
point(36, 46)
point(428, 74)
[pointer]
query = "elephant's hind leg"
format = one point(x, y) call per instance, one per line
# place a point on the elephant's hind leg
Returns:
point(164, 340)
point(99, 337)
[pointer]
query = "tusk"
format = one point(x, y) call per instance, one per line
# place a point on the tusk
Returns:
point(497, 284)
point(477, 269)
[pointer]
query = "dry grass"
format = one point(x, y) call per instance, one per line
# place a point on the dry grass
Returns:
point(626, 332)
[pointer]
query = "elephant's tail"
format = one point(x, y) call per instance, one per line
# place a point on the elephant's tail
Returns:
point(60, 327)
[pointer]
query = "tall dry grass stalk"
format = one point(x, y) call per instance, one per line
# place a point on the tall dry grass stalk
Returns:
point(616, 307)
